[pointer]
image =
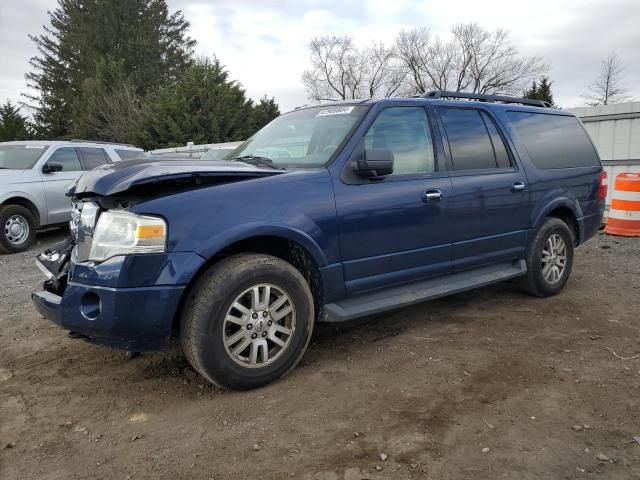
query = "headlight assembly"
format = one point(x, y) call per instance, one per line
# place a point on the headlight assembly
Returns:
point(124, 233)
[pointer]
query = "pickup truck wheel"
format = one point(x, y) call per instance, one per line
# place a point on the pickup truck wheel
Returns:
point(247, 321)
point(18, 229)
point(549, 259)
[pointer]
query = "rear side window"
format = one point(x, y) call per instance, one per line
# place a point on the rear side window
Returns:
point(474, 141)
point(93, 157)
point(554, 141)
point(128, 154)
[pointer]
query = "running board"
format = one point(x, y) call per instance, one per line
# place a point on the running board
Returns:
point(404, 295)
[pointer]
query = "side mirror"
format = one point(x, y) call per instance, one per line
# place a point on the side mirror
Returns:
point(375, 163)
point(51, 167)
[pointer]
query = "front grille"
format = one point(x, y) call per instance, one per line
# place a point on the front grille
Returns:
point(86, 224)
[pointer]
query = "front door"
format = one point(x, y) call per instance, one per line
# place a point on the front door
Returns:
point(56, 183)
point(394, 230)
point(489, 208)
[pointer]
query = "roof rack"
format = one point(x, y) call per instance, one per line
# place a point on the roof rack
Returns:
point(480, 97)
point(98, 142)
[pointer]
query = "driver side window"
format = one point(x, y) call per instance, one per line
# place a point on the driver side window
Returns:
point(405, 131)
point(67, 157)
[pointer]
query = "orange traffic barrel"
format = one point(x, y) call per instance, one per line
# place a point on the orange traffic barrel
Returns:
point(624, 214)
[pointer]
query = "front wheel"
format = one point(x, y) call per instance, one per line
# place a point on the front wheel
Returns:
point(549, 259)
point(18, 229)
point(247, 321)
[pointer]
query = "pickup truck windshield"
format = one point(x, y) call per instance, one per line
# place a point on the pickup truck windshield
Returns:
point(20, 157)
point(217, 153)
point(304, 138)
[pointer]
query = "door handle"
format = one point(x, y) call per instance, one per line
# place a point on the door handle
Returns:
point(431, 195)
point(517, 187)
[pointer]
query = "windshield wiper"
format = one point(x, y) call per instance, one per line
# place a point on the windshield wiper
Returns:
point(256, 160)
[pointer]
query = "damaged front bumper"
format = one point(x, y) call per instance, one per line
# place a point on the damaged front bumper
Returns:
point(48, 305)
point(134, 319)
point(127, 302)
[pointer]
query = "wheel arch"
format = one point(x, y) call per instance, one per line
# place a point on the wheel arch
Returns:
point(568, 216)
point(565, 209)
point(246, 232)
point(23, 200)
point(277, 245)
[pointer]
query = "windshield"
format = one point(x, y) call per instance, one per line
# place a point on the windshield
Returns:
point(217, 153)
point(20, 157)
point(303, 138)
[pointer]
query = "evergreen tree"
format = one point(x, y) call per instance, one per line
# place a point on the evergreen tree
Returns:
point(541, 91)
point(13, 126)
point(263, 112)
point(203, 106)
point(150, 43)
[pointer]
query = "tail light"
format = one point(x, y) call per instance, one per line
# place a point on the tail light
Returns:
point(604, 185)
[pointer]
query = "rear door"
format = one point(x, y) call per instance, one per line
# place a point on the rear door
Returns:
point(55, 183)
point(489, 209)
point(93, 157)
point(391, 231)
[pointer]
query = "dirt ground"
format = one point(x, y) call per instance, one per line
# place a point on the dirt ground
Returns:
point(487, 384)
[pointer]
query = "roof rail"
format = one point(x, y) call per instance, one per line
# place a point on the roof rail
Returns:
point(480, 97)
point(98, 142)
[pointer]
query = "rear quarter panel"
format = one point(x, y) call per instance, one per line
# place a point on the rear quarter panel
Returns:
point(574, 188)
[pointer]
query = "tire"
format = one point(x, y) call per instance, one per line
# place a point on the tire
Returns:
point(221, 307)
point(545, 282)
point(18, 229)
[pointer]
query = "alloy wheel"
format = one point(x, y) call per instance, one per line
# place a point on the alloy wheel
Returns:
point(554, 258)
point(259, 325)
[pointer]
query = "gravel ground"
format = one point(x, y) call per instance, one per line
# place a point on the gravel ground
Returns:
point(485, 384)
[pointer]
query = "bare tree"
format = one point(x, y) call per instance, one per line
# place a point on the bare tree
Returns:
point(473, 59)
point(111, 116)
point(117, 116)
point(384, 74)
point(328, 77)
point(412, 48)
point(607, 87)
point(340, 71)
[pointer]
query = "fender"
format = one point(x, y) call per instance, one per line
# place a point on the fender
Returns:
point(42, 213)
point(552, 200)
point(243, 232)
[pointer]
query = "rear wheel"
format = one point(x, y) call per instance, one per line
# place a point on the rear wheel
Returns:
point(248, 321)
point(549, 259)
point(18, 229)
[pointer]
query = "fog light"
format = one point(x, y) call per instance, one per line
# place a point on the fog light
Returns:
point(90, 306)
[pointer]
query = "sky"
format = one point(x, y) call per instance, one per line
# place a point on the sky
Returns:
point(264, 43)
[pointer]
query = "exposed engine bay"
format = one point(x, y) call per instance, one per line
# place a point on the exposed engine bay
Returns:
point(54, 263)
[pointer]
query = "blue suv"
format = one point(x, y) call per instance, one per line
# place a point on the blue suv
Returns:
point(328, 213)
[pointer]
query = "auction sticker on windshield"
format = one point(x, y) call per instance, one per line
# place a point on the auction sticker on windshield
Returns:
point(335, 111)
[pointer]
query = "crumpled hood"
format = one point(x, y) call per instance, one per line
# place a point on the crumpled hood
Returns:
point(122, 176)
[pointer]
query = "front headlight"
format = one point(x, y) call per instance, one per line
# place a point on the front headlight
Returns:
point(124, 233)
